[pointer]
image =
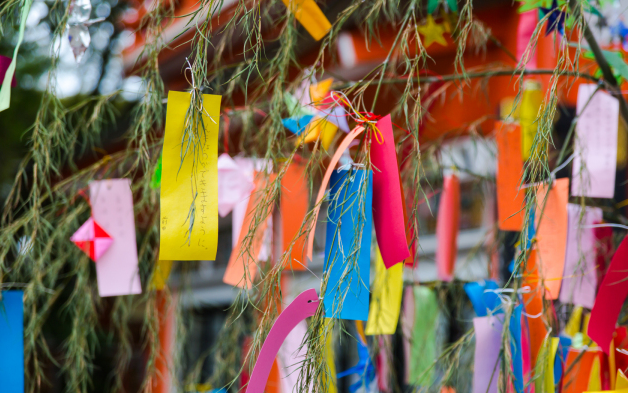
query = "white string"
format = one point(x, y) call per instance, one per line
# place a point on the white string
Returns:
point(552, 174)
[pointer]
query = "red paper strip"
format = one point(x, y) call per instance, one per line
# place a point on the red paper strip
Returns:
point(525, 29)
point(510, 199)
point(410, 260)
point(294, 206)
point(603, 251)
point(447, 228)
point(551, 234)
point(610, 298)
point(5, 62)
point(387, 203)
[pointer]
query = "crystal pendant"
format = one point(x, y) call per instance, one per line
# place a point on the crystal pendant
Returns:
point(79, 11)
point(79, 40)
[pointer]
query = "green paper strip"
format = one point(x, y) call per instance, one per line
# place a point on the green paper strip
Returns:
point(155, 181)
point(5, 91)
point(423, 352)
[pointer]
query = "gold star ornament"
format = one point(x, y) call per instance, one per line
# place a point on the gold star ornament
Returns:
point(432, 32)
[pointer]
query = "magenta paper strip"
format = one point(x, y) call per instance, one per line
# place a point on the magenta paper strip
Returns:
point(112, 208)
point(580, 276)
point(610, 299)
point(303, 306)
point(595, 146)
point(390, 227)
point(488, 336)
point(525, 29)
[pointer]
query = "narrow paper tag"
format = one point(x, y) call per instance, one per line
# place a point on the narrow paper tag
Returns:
point(348, 245)
point(580, 282)
point(386, 298)
point(533, 305)
point(488, 338)
point(525, 28)
point(595, 144)
point(424, 336)
point(510, 199)
point(12, 341)
point(189, 182)
point(551, 234)
point(308, 13)
point(447, 223)
point(295, 199)
point(112, 207)
point(390, 227)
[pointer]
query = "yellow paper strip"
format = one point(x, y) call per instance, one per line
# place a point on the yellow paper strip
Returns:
point(531, 101)
point(161, 274)
point(573, 325)
point(193, 182)
point(548, 376)
point(621, 383)
point(386, 298)
point(309, 14)
point(329, 377)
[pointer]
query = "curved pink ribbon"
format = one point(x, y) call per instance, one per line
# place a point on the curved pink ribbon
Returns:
point(303, 306)
point(321, 192)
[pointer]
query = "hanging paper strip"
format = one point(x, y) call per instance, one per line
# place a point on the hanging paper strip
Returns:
point(580, 282)
point(488, 338)
point(407, 327)
point(291, 355)
point(577, 370)
point(531, 101)
point(234, 185)
point(533, 306)
point(161, 274)
point(112, 207)
point(295, 199)
point(411, 260)
point(12, 341)
point(329, 376)
point(242, 267)
point(348, 245)
point(310, 16)
point(386, 298)
point(303, 306)
point(7, 82)
point(595, 144)
point(447, 223)
point(525, 29)
point(423, 336)
point(390, 227)
point(510, 199)
point(189, 183)
point(483, 298)
point(5, 63)
point(610, 299)
point(551, 233)
point(603, 251)
point(323, 188)
point(516, 348)
point(548, 377)
point(385, 364)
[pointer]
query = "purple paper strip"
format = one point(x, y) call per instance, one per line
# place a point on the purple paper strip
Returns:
point(488, 336)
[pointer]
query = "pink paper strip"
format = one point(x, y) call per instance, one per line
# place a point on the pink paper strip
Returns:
point(488, 336)
point(610, 299)
point(447, 222)
point(390, 227)
point(595, 146)
point(5, 62)
point(580, 277)
point(303, 306)
point(291, 356)
point(112, 208)
point(525, 29)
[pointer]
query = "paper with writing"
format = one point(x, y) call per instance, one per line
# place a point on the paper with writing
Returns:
point(385, 298)
point(303, 306)
point(189, 182)
point(488, 336)
point(117, 270)
point(12, 341)
point(551, 233)
point(390, 227)
point(447, 222)
point(242, 267)
point(510, 199)
point(595, 144)
point(426, 313)
point(295, 198)
point(610, 298)
point(580, 282)
point(348, 245)
point(308, 13)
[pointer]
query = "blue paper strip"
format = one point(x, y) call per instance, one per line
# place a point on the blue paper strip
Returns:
point(481, 300)
point(347, 254)
point(561, 356)
point(297, 124)
point(515, 348)
point(12, 342)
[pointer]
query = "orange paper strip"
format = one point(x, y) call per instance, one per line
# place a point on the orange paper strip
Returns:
point(294, 207)
point(510, 199)
point(578, 370)
point(242, 269)
point(447, 228)
point(551, 233)
point(533, 303)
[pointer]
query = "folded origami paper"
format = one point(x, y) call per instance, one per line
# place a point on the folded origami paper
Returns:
point(92, 239)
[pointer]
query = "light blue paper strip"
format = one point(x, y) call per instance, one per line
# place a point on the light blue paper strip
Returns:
point(12, 342)
point(347, 257)
point(5, 91)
